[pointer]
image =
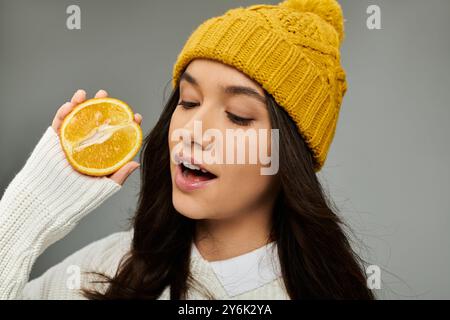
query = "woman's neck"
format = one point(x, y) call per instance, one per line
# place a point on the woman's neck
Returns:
point(227, 238)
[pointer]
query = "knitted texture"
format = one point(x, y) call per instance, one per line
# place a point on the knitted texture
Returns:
point(43, 203)
point(291, 50)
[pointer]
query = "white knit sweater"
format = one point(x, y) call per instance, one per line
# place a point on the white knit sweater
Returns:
point(45, 201)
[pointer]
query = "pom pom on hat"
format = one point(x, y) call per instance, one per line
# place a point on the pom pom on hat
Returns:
point(328, 10)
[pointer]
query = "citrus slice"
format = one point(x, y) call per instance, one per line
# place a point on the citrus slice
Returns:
point(100, 135)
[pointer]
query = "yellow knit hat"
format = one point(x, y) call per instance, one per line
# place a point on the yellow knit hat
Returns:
point(291, 50)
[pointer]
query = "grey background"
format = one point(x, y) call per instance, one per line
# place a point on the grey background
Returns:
point(387, 169)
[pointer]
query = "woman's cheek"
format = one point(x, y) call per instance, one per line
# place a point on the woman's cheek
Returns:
point(239, 184)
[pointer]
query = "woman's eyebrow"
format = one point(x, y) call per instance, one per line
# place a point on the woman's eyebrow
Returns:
point(230, 90)
point(247, 91)
point(186, 76)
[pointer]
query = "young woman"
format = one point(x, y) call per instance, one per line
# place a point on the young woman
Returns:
point(227, 231)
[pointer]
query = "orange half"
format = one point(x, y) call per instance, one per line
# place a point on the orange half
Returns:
point(100, 135)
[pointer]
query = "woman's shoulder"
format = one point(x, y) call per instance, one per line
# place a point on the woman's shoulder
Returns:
point(66, 279)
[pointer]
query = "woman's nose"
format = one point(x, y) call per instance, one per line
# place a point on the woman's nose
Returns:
point(197, 125)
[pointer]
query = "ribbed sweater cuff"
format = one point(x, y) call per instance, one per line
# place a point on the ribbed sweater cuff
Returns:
point(43, 203)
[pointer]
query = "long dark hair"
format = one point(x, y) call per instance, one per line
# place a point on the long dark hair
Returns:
point(317, 260)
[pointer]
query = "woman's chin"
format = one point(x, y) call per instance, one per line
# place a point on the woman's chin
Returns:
point(190, 208)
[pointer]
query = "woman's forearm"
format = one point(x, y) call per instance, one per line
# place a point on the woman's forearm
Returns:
point(42, 204)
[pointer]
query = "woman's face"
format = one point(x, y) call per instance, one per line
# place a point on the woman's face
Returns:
point(228, 189)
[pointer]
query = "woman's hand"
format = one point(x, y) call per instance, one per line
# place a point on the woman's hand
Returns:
point(120, 175)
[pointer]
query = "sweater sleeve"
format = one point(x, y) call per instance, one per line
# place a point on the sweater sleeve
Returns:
point(65, 280)
point(41, 205)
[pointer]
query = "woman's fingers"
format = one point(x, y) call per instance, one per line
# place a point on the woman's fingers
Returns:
point(101, 94)
point(123, 173)
point(79, 96)
point(138, 118)
point(62, 112)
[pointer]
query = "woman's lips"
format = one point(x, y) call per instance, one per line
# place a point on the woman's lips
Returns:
point(188, 181)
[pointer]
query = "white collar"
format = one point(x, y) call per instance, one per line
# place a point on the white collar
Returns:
point(247, 271)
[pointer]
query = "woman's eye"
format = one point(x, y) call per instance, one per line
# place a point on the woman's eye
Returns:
point(187, 104)
point(233, 118)
point(239, 120)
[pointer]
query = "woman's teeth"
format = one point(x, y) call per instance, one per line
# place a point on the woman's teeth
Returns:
point(193, 166)
point(187, 164)
point(189, 177)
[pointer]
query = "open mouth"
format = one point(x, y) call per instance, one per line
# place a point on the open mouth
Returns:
point(195, 173)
